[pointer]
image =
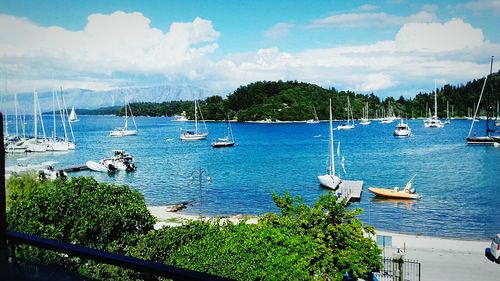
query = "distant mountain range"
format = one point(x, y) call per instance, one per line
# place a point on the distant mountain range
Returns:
point(88, 99)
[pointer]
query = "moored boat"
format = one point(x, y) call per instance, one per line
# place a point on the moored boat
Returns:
point(408, 192)
point(402, 129)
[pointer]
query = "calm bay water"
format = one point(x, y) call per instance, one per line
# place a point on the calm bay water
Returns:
point(460, 184)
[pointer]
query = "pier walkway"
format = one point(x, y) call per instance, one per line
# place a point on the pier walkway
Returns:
point(350, 190)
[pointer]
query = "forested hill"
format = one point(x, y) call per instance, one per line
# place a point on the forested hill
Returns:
point(292, 100)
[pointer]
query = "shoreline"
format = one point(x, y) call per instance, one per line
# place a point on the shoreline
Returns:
point(440, 258)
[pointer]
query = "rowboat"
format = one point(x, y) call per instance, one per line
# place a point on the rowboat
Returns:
point(406, 193)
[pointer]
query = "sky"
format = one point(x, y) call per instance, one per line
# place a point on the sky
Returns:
point(386, 47)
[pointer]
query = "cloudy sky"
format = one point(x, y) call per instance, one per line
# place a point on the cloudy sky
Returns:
point(390, 48)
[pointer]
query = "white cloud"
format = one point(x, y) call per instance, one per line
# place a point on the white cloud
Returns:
point(420, 52)
point(368, 7)
point(278, 32)
point(372, 19)
point(126, 43)
point(118, 42)
point(478, 6)
point(437, 37)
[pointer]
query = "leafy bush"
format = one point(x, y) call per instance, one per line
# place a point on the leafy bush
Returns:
point(79, 211)
point(319, 242)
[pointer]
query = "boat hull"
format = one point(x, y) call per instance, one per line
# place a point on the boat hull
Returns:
point(329, 181)
point(188, 137)
point(222, 144)
point(392, 193)
point(483, 140)
point(123, 133)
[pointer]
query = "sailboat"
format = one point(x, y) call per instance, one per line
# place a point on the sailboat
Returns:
point(350, 120)
point(497, 119)
point(16, 144)
point(330, 180)
point(227, 141)
point(315, 120)
point(37, 144)
point(390, 117)
point(124, 131)
point(365, 121)
point(447, 121)
point(72, 116)
point(434, 122)
point(488, 138)
point(195, 135)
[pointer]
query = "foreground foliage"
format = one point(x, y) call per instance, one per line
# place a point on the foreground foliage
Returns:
point(321, 242)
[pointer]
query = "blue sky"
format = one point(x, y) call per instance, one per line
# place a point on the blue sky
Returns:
point(393, 47)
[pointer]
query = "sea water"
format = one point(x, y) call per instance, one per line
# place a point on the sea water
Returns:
point(460, 184)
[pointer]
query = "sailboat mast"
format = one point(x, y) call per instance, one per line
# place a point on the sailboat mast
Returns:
point(332, 160)
point(488, 130)
point(53, 115)
point(35, 115)
point(15, 109)
point(435, 100)
point(195, 117)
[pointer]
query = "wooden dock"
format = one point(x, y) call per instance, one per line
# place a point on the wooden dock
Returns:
point(75, 168)
point(350, 190)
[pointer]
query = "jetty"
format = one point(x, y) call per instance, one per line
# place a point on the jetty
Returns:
point(75, 168)
point(350, 190)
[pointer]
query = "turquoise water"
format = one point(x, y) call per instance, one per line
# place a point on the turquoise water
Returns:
point(460, 184)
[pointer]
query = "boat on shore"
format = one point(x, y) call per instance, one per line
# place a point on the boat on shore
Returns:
point(408, 192)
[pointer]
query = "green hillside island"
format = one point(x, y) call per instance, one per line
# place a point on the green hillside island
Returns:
point(294, 101)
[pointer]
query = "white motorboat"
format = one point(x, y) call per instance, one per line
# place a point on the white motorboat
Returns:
point(402, 129)
point(350, 120)
point(196, 134)
point(124, 131)
point(101, 166)
point(330, 180)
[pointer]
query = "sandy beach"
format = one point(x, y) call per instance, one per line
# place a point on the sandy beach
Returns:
point(440, 258)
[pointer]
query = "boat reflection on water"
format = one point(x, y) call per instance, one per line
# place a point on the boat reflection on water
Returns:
point(396, 203)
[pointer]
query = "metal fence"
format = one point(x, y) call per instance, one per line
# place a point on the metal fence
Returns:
point(399, 269)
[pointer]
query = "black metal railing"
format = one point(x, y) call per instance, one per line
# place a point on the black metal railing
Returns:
point(399, 269)
point(19, 238)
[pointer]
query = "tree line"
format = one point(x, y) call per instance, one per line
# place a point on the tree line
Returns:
point(293, 100)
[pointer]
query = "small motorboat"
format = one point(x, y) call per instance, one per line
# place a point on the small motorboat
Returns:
point(402, 130)
point(121, 161)
point(101, 166)
point(408, 192)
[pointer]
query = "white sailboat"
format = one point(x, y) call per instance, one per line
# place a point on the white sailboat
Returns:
point(434, 122)
point(365, 121)
point(124, 131)
point(350, 120)
point(196, 134)
point(447, 121)
point(330, 180)
point(16, 144)
point(228, 140)
point(390, 117)
point(72, 116)
point(37, 144)
point(315, 120)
